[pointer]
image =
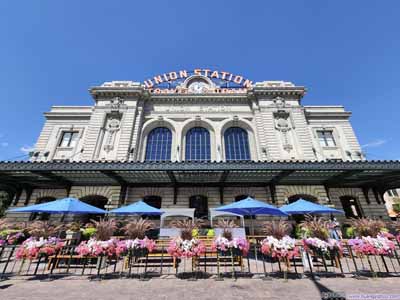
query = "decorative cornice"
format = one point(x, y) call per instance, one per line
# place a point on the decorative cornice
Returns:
point(117, 88)
point(199, 166)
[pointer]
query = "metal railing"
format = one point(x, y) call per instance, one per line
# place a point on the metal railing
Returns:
point(211, 264)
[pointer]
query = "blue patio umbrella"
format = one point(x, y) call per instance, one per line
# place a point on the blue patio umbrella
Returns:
point(251, 207)
point(137, 208)
point(302, 206)
point(61, 206)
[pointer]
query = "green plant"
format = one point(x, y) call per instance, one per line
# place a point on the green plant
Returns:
point(5, 201)
point(89, 232)
point(210, 232)
point(316, 227)
point(138, 228)
point(277, 229)
point(396, 207)
point(349, 232)
point(104, 229)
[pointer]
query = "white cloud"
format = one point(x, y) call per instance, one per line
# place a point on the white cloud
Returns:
point(4, 144)
point(374, 143)
point(26, 149)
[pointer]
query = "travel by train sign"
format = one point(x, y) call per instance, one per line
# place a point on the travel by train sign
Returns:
point(197, 81)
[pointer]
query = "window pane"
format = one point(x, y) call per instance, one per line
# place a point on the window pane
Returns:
point(159, 143)
point(73, 139)
point(236, 144)
point(395, 193)
point(326, 138)
point(65, 139)
point(198, 144)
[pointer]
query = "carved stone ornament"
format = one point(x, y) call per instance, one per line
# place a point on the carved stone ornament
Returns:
point(282, 124)
point(112, 127)
point(282, 121)
point(116, 104)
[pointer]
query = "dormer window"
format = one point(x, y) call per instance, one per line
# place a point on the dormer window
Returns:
point(325, 138)
point(69, 139)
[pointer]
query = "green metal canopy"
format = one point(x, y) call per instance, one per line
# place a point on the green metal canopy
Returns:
point(379, 174)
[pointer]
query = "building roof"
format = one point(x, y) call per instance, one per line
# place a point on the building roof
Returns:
point(379, 174)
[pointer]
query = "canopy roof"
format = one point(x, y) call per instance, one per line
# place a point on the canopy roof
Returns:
point(61, 206)
point(301, 207)
point(381, 174)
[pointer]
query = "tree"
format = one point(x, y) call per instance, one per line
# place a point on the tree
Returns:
point(5, 202)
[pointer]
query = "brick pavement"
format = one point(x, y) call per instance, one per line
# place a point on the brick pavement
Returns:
point(81, 288)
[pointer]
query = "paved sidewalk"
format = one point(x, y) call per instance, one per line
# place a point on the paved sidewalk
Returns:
point(249, 289)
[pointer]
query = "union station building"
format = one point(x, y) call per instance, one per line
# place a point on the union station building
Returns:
point(200, 139)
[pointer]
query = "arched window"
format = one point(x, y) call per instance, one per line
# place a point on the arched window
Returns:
point(97, 201)
point(200, 204)
point(236, 144)
point(154, 201)
point(198, 144)
point(159, 143)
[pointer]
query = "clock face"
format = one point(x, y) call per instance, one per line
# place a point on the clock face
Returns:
point(198, 87)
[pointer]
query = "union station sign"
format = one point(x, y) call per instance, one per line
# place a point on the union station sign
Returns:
point(197, 81)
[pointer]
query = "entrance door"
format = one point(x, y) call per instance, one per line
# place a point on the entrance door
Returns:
point(200, 203)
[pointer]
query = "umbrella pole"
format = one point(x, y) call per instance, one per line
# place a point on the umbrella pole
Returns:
point(252, 225)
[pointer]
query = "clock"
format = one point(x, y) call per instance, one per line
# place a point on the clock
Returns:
point(198, 87)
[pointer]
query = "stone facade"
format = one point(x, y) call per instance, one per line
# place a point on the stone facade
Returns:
point(278, 127)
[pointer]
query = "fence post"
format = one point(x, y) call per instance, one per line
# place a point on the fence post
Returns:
point(7, 262)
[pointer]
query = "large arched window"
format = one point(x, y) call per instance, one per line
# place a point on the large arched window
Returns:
point(198, 144)
point(200, 204)
point(154, 201)
point(236, 144)
point(159, 143)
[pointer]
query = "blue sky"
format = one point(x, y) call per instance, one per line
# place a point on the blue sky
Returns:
point(344, 52)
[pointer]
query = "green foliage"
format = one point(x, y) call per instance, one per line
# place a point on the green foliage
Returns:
point(396, 207)
point(89, 232)
point(349, 232)
point(210, 232)
point(300, 232)
point(5, 202)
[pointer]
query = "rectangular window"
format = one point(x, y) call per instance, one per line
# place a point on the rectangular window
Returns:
point(69, 139)
point(395, 194)
point(325, 138)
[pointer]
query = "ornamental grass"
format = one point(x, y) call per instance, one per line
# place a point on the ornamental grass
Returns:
point(277, 229)
point(368, 227)
point(137, 229)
